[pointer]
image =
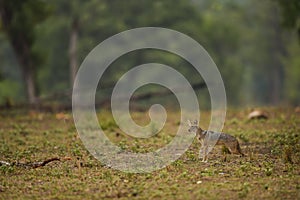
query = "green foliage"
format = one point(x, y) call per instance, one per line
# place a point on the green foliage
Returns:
point(28, 12)
point(290, 14)
point(22, 17)
point(255, 56)
point(292, 71)
point(9, 90)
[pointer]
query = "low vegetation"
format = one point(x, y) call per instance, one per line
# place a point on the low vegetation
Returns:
point(270, 169)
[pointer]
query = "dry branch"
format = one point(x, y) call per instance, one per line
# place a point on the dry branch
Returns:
point(33, 164)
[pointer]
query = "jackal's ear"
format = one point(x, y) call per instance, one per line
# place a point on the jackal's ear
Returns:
point(196, 122)
point(189, 122)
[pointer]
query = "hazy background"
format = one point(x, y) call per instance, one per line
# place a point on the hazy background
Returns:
point(255, 45)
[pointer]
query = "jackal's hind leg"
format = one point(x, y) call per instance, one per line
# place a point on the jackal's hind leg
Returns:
point(235, 148)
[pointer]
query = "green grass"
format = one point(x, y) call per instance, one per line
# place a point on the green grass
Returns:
point(270, 169)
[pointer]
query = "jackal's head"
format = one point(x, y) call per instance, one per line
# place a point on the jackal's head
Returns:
point(193, 127)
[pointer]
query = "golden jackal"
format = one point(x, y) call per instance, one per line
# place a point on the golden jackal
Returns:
point(206, 138)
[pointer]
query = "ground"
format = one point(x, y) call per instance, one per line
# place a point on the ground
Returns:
point(270, 169)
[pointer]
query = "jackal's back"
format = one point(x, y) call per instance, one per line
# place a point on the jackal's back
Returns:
point(226, 139)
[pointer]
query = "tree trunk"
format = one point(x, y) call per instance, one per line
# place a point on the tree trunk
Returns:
point(73, 50)
point(278, 50)
point(22, 47)
point(30, 85)
point(25, 60)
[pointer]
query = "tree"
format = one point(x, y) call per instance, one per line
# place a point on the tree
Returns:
point(74, 17)
point(71, 11)
point(290, 12)
point(19, 19)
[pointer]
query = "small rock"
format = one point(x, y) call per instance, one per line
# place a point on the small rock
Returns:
point(4, 163)
point(198, 182)
point(257, 114)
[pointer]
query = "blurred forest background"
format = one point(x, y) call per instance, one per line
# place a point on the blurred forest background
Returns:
point(255, 45)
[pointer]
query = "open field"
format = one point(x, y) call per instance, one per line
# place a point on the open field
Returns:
point(270, 170)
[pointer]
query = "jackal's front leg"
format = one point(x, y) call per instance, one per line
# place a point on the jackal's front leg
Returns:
point(203, 153)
